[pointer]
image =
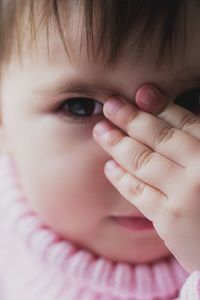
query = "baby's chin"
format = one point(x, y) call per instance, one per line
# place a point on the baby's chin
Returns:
point(144, 252)
point(136, 257)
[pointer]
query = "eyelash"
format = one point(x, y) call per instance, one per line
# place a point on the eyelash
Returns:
point(80, 101)
point(181, 100)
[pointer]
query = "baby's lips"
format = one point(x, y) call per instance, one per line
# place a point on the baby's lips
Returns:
point(148, 98)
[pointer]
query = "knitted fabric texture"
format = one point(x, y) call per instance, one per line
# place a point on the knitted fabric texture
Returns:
point(36, 263)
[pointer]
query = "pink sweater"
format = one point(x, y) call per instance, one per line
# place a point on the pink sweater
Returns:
point(37, 264)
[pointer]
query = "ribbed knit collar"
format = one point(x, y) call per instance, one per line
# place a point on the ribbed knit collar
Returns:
point(158, 280)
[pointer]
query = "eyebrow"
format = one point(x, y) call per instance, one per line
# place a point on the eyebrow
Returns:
point(94, 90)
point(86, 89)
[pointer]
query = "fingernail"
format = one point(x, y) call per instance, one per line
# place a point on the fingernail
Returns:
point(113, 105)
point(102, 128)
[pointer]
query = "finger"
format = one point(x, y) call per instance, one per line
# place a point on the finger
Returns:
point(184, 119)
point(150, 99)
point(155, 133)
point(139, 160)
point(147, 199)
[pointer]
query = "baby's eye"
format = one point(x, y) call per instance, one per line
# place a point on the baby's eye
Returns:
point(190, 100)
point(81, 108)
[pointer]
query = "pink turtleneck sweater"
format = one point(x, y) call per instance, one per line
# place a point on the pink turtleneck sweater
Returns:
point(37, 264)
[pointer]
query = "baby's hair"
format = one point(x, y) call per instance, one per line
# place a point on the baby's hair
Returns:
point(117, 21)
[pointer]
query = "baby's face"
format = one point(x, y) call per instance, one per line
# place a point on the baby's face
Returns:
point(59, 163)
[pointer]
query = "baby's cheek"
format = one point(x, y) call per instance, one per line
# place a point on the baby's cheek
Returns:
point(68, 201)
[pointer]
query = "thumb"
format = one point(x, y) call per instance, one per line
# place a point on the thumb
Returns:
point(148, 98)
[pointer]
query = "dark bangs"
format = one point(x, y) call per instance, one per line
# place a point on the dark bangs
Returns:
point(160, 24)
point(107, 25)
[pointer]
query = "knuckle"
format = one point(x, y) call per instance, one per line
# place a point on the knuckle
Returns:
point(138, 188)
point(141, 159)
point(189, 121)
point(174, 213)
point(165, 135)
point(120, 176)
point(171, 216)
point(123, 181)
point(115, 139)
point(131, 185)
point(130, 119)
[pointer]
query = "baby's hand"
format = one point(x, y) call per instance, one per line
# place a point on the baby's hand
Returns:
point(156, 167)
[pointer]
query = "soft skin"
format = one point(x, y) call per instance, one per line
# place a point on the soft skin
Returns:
point(60, 165)
point(157, 168)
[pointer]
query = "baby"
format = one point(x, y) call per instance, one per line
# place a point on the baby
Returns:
point(99, 171)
